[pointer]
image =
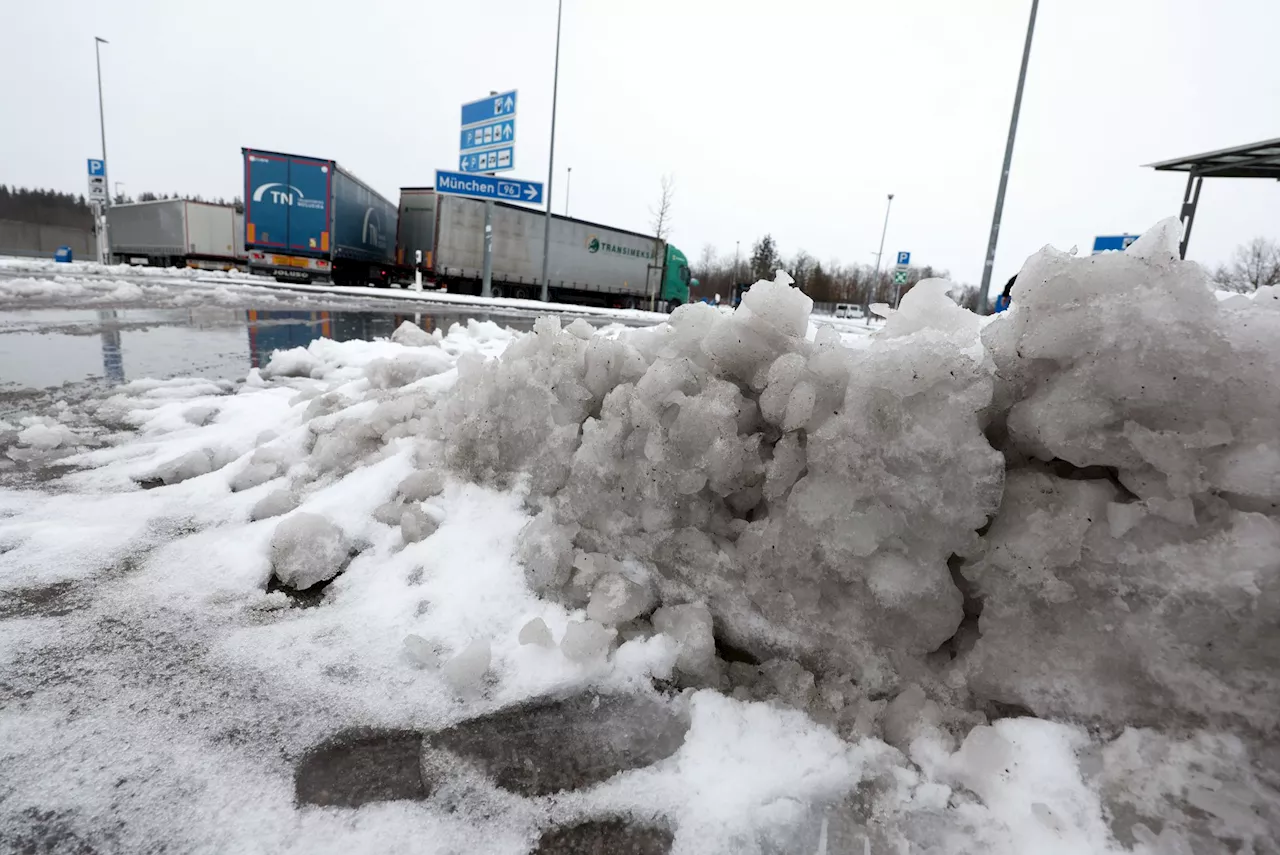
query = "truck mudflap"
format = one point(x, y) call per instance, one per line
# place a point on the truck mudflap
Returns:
point(289, 268)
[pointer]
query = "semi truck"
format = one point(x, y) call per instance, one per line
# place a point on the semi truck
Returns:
point(307, 218)
point(176, 233)
point(590, 263)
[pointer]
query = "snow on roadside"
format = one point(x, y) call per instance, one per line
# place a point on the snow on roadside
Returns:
point(53, 281)
point(84, 290)
point(41, 291)
point(15, 264)
point(762, 524)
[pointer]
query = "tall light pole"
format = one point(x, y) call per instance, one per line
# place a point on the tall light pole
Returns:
point(568, 186)
point(875, 283)
point(104, 248)
point(551, 162)
point(1008, 158)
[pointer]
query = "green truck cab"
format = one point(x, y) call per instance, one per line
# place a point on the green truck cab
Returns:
point(676, 279)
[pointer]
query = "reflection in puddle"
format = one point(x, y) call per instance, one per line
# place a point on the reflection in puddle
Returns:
point(274, 330)
point(46, 348)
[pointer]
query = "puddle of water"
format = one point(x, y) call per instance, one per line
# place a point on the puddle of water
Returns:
point(46, 348)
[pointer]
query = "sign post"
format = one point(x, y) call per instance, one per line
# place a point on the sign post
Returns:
point(900, 276)
point(98, 199)
point(487, 145)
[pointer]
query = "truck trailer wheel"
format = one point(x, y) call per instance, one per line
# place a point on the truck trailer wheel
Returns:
point(497, 292)
point(672, 305)
point(521, 294)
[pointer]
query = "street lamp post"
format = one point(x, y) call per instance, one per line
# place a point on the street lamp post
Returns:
point(1008, 159)
point(876, 282)
point(551, 162)
point(104, 247)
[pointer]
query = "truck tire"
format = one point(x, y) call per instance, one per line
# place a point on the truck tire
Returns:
point(521, 293)
point(632, 303)
point(497, 292)
point(672, 305)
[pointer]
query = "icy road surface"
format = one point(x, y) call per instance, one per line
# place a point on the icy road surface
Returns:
point(737, 583)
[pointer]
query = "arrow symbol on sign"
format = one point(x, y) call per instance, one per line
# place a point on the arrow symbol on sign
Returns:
point(509, 104)
point(506, 132)
point(531, 192)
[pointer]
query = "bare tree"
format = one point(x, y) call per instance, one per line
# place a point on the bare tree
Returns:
point(1256, 264)
point(801, 268)
point(707, 261)
point(662, 214)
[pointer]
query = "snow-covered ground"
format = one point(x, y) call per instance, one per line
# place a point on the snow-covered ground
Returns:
point(740, 582)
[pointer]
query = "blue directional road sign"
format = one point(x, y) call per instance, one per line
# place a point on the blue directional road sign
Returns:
point(493, 160)
point(500, 106)
point(904, 258)
point(487, 140)
point(485, 136)
point(1103, 243)
point(97, 167)
point(489, 187)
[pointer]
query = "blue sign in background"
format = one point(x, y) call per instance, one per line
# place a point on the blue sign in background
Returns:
point(489, 187)
point(97, 167)
point(904, 258)
point(486, 109)
point(1102, 243)
point(494, 160)
point(482, 136)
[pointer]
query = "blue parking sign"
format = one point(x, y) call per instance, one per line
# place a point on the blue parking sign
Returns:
point(97, 167)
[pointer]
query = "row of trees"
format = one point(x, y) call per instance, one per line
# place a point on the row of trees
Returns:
point(45, 207)
point(1255, 264)
point(52, 208)
point(125, 199)
point(831, 282)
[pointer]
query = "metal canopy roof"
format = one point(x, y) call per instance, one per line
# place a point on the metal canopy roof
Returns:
point(1256, 160)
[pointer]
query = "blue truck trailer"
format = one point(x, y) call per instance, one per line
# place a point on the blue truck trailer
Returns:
point(308, 219)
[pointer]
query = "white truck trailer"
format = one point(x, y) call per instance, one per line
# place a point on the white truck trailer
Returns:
point(176, 233)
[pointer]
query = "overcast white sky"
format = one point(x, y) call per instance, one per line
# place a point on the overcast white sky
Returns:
point(792, 117)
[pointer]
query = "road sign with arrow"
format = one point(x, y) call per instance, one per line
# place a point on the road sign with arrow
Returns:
point(500, 106)
point(487, 140)
point(493, 160)
point(489, 187)
point(494, 133)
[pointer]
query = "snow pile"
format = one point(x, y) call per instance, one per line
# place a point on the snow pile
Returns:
point(997, 586)
point(1148, 591)
point(809, 498)
point(64, 288)
point(42, 439)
